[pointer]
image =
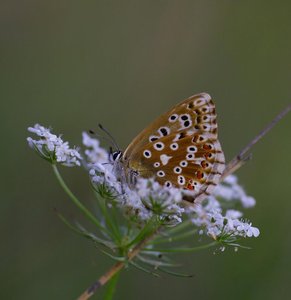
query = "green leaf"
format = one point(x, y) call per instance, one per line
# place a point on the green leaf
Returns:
point(117, 258)
point(139, 267)
point(182, 250)
point(86, 234)
point(110, 220)
point(175, 273)
point(156, 263)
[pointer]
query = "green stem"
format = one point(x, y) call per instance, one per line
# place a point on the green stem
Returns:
point(76, 201)
point(109, 219)
point(111, 287)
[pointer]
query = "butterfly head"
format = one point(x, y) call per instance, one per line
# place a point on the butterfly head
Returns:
point(117, 155)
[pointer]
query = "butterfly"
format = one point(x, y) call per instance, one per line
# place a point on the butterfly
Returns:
point(179, 149)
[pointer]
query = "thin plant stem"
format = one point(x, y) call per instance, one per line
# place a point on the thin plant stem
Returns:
point(117, 267)
point(76, 201)
point(111, 287)
point(244, 154)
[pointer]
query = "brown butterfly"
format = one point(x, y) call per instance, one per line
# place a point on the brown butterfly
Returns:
point(180, 148)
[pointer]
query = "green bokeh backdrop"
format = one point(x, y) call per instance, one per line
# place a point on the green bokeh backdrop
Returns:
point(73, 64)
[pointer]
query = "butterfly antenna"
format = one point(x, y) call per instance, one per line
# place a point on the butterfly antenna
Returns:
point(111, 138)
point(244, 154)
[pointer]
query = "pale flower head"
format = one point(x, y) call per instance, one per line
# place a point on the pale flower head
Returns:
point(94, 152)
point(53, 148)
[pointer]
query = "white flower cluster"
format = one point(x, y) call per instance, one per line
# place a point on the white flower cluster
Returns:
point(94, 153)
point(227, 225)
point(230, 190)
point(149, 198)
point(53, 148)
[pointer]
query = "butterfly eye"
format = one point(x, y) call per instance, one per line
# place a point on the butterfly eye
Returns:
point(116, 155)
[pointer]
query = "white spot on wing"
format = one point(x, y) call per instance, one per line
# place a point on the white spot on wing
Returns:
point(165, 158)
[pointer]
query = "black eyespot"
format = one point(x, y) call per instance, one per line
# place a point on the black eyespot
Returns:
point(184, 117)
point(186, 123)
point(147, 153)
point(152, 139)
point(182, 135)
point(173, 117)
point(164, 131)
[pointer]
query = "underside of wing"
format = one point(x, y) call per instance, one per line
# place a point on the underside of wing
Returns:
point(181, 148)
point(196, 113)
point(194, 162)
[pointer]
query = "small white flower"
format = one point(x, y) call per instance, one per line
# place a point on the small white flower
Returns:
point(53, 148)
point(148, 198)
point(94, 153)
point(233, 214)
point(225, 226)
point(230, 190)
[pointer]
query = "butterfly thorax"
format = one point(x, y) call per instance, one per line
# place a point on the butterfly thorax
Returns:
point(127, 171)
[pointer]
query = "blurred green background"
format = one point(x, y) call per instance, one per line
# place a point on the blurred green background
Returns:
point(73, 64)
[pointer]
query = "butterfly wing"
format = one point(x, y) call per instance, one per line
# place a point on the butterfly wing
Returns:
point(181, 148)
